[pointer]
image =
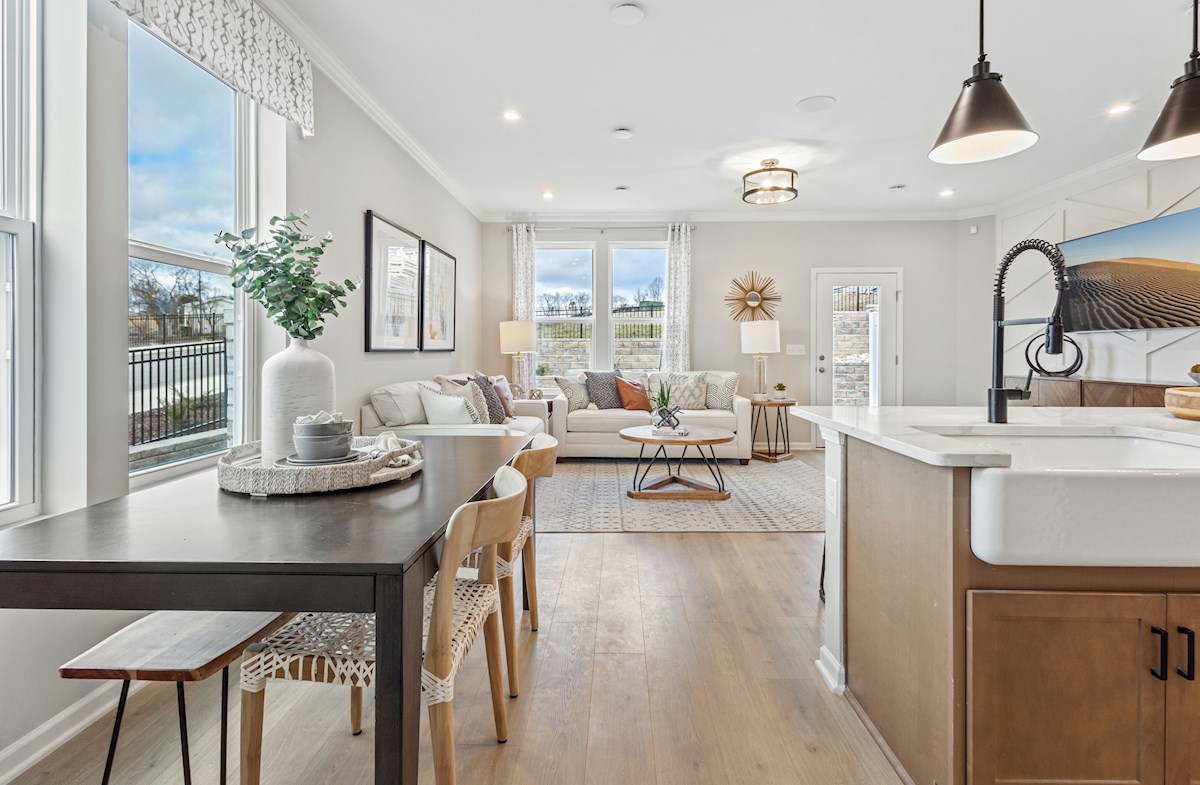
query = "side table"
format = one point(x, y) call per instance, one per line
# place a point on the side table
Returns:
point(779, 445)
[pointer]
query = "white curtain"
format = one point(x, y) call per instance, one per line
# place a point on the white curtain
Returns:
point(524, 256)
point(676, 349)
point(239, 43)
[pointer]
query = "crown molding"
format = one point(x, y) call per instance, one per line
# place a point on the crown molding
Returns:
point(719, 217)
point(342, 76)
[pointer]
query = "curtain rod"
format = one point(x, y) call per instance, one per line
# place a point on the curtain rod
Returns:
point(601, 229)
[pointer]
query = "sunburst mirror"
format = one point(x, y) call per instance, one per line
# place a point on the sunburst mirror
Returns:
point(752, 298)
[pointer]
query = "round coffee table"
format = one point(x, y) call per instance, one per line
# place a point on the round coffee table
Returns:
point(692, 489)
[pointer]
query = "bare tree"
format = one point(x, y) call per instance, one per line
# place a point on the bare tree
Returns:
point(550, 301)
point(655, 292)
point(148, 294)
point(583, 299)
point(619, 301)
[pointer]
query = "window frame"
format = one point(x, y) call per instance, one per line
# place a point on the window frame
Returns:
point(611, 328)
point(581, 245)
point(245, 209)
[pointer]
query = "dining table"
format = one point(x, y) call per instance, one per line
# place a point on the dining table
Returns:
point(185, 544)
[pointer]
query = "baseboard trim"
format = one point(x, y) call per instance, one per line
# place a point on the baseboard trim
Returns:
point(878, 737)
point(29, 750)
point(831, 671)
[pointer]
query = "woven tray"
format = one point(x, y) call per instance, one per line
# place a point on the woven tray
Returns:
point(240, 470)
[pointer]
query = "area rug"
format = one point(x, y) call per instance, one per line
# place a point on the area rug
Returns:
point(588, 495)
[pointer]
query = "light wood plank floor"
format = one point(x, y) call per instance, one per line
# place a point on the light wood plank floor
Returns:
point(663, 659)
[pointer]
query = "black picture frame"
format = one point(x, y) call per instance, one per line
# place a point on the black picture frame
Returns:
point(393, 319)
point(438, 322)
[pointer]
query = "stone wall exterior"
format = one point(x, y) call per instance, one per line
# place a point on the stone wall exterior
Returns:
point(147, 456)
point(563, 355)
point(851, 358)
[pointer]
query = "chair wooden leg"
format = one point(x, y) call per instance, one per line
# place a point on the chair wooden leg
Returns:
point(441, 730)
point(491, 640)
point(356, 695)
point(508, 612)
point(252, 730)
point(529, 563)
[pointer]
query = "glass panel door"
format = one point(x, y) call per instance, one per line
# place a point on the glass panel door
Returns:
point(856, 358)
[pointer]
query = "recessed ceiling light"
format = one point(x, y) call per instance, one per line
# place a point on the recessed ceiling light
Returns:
point(622, 133)
point(621, 188)
point(816, 103)
point(946, 192)
point(511, 115)
point(547, 195)
point(628, 14)
point(1119, 108)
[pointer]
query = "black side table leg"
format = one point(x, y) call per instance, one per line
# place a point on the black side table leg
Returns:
point(224, 723)
point(821, 588)
point(112, 745)
point(183, 734)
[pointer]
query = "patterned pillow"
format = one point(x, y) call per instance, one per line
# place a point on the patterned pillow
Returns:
point(495, 409)
point(577, 394)
point(602, 389)
point(444, 413)
point(720, 392)
point(687, 390)
point(500, 385)
point(470, 392)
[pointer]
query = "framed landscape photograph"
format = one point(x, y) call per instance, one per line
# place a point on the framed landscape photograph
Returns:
point(437, 301)
point(393, 286)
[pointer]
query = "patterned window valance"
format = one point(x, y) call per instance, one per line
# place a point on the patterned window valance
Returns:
point(240, 44)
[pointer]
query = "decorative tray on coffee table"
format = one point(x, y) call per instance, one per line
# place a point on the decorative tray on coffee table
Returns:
point(241, 471)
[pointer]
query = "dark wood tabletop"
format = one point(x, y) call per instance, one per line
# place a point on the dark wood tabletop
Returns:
point(190, 524)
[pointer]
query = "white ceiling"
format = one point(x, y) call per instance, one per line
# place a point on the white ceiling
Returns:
point(709, 88)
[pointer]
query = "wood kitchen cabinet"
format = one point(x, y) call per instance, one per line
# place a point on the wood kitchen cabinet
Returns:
point(1083, 688)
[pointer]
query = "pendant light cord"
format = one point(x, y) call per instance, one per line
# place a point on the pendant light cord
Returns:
point(982, 54)
point(1195, 30)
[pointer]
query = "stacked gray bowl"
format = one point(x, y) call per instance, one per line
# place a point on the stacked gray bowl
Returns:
point(323, 441)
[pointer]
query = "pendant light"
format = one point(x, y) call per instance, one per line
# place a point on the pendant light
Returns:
point(772, 184)
point(1177, 132)
point(985, 123)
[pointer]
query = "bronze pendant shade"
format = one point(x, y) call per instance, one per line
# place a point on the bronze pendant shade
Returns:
point(985, 123)
point(1177, 132)
point(773, 184)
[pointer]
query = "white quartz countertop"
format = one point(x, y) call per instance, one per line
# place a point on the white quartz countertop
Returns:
point(898, 428)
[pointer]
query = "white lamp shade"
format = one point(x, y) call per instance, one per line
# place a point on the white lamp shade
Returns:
point(760, 337)
point(517, 337)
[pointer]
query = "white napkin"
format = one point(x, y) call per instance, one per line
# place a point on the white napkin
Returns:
point(385, 443)
point(320, 418)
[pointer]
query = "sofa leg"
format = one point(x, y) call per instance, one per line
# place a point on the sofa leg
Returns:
point(744, 461)
point(560, 460)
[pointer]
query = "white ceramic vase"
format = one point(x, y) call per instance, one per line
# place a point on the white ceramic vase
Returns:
point(297, 381)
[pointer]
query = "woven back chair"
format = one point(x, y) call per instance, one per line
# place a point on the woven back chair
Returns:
point(537, 461)
point(339, 648)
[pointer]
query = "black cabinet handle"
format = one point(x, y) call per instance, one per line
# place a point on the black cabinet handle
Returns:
point(1161, 671)
point(1190, 672)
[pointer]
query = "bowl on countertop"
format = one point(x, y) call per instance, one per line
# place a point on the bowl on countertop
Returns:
point(330, 447)
point(1183, 402)
point(323, 428)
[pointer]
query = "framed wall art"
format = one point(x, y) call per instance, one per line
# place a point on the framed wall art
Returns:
point(437, 299)
point(393, 286)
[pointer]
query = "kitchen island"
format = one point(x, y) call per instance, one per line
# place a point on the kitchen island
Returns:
point(1015, 603)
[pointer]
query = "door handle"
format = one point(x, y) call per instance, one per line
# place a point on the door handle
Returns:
point(1161, 671)
point(1190, 672)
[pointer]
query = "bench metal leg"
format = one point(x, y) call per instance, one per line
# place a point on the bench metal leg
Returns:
point(224, 722)
point(183, 734)
point(112, 745)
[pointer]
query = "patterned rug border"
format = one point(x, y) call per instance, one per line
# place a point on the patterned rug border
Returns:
point(588, 495)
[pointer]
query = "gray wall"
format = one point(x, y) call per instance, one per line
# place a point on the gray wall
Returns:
point(351, 166)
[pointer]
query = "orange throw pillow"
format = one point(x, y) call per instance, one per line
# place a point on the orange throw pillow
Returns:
point(633, 395)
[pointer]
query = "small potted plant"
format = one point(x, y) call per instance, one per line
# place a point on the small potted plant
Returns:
point(542, 369)
point(781, 391)
point(1195, 373)
point(662, 407)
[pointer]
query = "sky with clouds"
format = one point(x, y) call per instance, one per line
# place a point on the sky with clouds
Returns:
point(570, 270)
point(181, 149)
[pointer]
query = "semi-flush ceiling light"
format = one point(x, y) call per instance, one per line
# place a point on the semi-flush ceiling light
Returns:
point(985, 123)
point(770, 185)
point(1177, 132)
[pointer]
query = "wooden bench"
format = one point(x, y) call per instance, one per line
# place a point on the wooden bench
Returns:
point(178, 646)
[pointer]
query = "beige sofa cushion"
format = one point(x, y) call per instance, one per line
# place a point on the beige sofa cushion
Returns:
point(399, 404)
point(709, 418)
point(526, 424)
point(605, 420)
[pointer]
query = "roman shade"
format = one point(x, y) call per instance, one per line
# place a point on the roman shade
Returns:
point(238, 42)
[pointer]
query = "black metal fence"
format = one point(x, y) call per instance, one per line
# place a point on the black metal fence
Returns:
point(855, 298)
point(569, 331)
point(146, 329)
point(647, 310)
point(177, 390)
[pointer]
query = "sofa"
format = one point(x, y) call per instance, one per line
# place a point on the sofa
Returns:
point(594, 433)
point(397, 407)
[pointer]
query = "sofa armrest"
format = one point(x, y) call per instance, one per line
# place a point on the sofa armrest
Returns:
point(743, 412)
point(368, 421)
point(529, 407)
point(558, 418)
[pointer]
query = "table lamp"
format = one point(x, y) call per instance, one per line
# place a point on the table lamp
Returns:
point(518, 338)
point(760, 339)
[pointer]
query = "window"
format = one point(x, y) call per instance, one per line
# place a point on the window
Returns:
point(564, 310)
point(188, 143)
point(638, 283)
point(16, 263)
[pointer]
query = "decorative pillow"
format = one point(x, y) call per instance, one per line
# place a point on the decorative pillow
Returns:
point(495, 409)
point(448, 408)
point(602, 388)
point(577, 394)
point(469, 390)
point(720, 392)
point(633, 395)
point(399, 404)
point(687, 390)
point(500, 385)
